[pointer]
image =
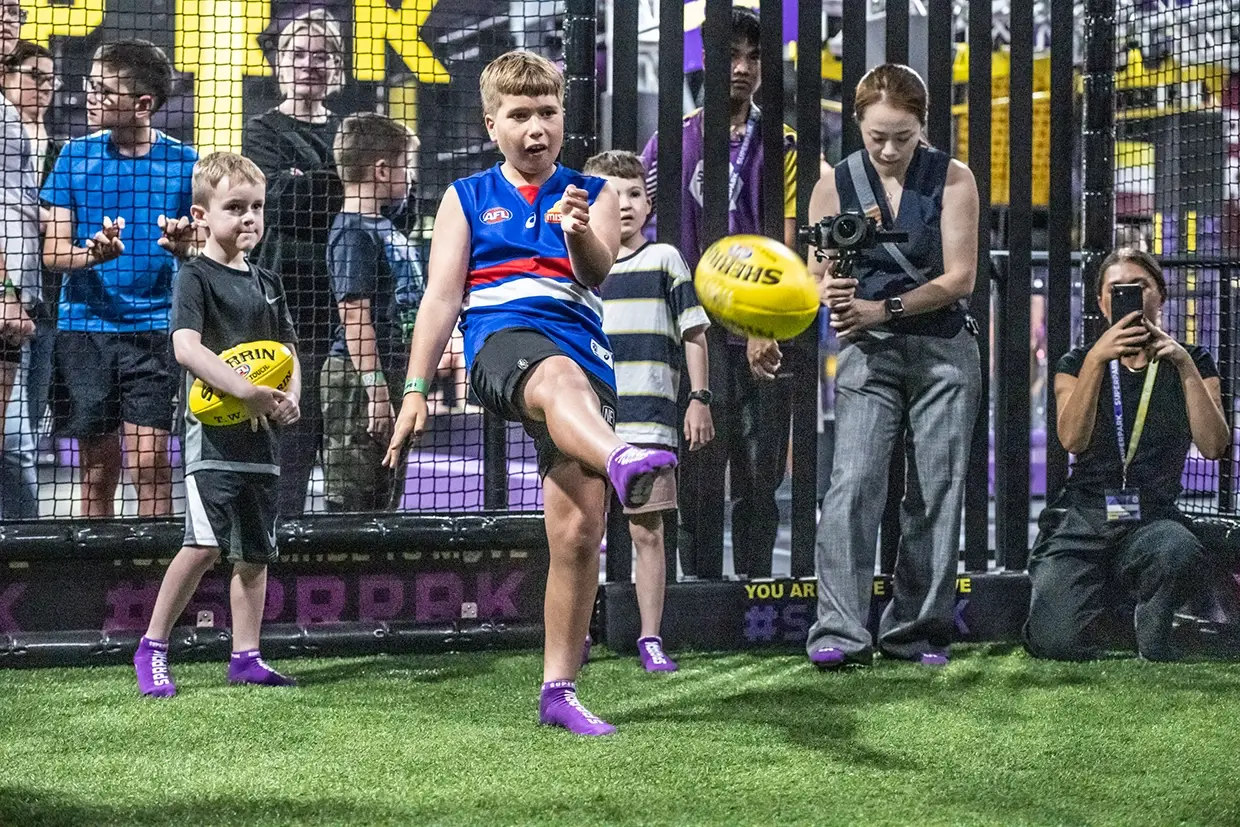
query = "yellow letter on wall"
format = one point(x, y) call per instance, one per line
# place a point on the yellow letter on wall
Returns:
point(376, 24)
point(76, 19)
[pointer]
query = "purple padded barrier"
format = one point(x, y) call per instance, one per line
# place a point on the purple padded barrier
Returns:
point(448, 483)
point(68, 455)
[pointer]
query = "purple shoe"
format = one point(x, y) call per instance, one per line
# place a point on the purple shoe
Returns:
point(558, 706)
point(633, 472)
point(151, 664)
point(585, 651)
point(249, 667)
point(650, 650)
point(933, 659)
point(829, 658)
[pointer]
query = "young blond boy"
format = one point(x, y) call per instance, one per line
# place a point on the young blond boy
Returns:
point(378, 283)
point(222, 300)
point(654, 321)
point(527, 243)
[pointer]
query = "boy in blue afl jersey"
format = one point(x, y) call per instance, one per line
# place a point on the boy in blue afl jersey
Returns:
point(527, 243)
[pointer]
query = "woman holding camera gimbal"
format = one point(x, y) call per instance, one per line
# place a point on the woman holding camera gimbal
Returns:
point(907, 355)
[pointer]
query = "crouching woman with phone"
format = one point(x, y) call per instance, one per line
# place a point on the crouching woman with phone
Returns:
point(1128, 408)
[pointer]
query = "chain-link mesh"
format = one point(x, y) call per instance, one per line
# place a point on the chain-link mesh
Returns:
point(99, 127)
point(1178, 181)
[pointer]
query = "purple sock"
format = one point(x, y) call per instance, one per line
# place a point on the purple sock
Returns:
point(654, 659)
point(150, 663)
point(558, 706)
point(633, 470)
point(249, 667)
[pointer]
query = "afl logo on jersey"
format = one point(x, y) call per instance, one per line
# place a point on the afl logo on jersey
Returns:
point(495, 215)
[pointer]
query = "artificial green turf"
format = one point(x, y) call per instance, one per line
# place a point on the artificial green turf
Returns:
point(995, 738)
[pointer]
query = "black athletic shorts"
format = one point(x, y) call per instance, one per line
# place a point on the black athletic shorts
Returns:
point(10, 353)
point(104, 379)
point(234, 511)
point(498, 376)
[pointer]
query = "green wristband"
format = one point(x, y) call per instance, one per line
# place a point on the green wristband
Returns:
point(416, 385)
point(9, 285)
point(373, 379)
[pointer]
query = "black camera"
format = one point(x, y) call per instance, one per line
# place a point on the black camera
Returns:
point(848, 232)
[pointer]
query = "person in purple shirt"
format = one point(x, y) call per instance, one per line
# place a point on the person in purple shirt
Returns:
point(752, 395)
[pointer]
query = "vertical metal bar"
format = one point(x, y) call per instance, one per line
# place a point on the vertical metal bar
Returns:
point(977, 498)
point(897, 31)
point(1097, 152)
point(806, 390)
point(1012, 420)
point(1059, 233)
point(940, 52)
point(670, 155)
point(771, 97)
point(716, 39)
point(854, 60)
point(580, 82)
point(1226, 370)
point(623, 83)
point(494, 462)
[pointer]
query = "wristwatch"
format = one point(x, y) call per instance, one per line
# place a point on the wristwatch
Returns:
point(704, 396)
point(895, 307)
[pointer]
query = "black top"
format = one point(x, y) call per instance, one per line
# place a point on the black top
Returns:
point(303, 195)
point(1157, 468)
point(921, 207)
point(370, 259)
point(229, 307)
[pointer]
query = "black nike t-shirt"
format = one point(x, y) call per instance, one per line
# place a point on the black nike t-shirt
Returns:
point(229, 307)
point(1158, 466)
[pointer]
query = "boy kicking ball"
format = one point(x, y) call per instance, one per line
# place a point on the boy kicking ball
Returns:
point(222, 300)
point(527, 243)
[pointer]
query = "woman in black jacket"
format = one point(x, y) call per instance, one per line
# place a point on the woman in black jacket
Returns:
point(292, 144)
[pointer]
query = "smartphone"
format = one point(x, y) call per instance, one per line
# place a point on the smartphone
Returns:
point(1126, 299)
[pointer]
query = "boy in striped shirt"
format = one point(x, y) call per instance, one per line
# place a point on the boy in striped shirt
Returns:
point(655, 323)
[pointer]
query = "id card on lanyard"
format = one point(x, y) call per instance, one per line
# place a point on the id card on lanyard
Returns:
point(742, 155)
point(1124, 504)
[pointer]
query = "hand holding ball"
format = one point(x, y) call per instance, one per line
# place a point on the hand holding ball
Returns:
point(757, 287)
point(265, 363)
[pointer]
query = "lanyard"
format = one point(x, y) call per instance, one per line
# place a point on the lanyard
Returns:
point(742, 155)
point(1138, 425)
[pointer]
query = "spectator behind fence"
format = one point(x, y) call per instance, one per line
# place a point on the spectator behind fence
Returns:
point(378, 282)
point(222, 300)
point(292, 144)
point(654, 321)
point(19, 234)
point(28, 79)
point(907, 353)
point(527, 242)
point(1114, 535)
point(753, 398)
point(113, 363)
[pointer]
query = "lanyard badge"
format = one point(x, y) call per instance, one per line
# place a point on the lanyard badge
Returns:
point(1124, 504)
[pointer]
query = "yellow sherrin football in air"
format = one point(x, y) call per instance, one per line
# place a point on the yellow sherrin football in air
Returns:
point(756, 286)
point(265, 363)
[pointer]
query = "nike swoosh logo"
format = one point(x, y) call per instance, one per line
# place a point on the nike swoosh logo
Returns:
point(273, 300)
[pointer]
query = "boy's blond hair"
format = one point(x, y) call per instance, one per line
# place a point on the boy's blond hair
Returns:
point(616, 163)
point(214, 167)
point(364, 139)
point(519, 73)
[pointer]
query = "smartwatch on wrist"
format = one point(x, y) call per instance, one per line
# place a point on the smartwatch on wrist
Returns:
point(704, 396)
point(895, 307)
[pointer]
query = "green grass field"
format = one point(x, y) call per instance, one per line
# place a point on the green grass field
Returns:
point(996, 738)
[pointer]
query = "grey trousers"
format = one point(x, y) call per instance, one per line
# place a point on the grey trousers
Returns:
point(935, 383)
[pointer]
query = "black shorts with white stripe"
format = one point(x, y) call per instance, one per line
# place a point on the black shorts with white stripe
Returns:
point(233, 511)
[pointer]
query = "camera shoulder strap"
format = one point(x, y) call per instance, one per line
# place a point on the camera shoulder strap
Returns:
point(869, 205)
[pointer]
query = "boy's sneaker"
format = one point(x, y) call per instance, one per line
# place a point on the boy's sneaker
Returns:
point(151, 664)
point(633, 472)
point(650, 650)
point(585, 651)
point(558, 706)
point(933, 659)
point(249, 667)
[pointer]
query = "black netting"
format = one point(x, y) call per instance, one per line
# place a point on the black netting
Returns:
point(274, 81)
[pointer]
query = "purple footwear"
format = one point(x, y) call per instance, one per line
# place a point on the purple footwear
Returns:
point(151, 664)
point(633, 472)
point(558, 706)
point(249, 667)
point(585, 651)
point(933, 659)
point(829, 658)
point(650, 650)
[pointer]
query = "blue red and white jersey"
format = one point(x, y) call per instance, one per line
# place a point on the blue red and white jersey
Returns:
point(519, 272)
